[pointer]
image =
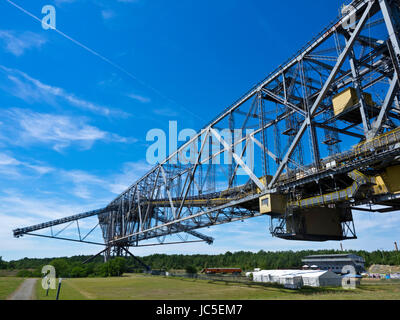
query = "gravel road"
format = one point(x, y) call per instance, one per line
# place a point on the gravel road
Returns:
point(26, 291)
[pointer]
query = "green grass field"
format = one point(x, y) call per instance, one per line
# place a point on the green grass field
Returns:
point(67, 291)
point(143, 287)
point(8, 285)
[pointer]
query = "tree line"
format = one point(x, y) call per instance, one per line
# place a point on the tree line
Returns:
point(74, 267)
point(247, 261)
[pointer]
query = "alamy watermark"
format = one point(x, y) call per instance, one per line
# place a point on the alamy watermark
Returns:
point(49, 279)
point(49, 20)
point(350, 22)
point(349, 282)
point(209, 147)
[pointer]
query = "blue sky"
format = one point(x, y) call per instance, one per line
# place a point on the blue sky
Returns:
point(73, 127)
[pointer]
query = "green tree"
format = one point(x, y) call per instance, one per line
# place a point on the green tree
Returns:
point(24, 273)
point(191, 269)
point(62, 267)
point(78, 272)
point(101, 270)
point(3, 264)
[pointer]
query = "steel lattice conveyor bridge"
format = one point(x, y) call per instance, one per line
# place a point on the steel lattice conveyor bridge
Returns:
point(324, 133)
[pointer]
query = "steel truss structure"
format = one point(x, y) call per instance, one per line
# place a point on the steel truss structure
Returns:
point(281, 138)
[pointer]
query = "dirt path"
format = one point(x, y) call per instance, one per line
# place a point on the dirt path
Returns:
point(26, 291)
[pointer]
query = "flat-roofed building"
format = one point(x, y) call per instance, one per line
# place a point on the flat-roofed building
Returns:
point(336, 262)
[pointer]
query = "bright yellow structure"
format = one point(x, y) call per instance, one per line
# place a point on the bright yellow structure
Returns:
point(379, 186)
point(272, 204)
point(347, 99)
point(265, 180)
point(388, 181)
point(391, 177)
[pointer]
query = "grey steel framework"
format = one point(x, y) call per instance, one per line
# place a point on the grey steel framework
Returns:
point(290, 128)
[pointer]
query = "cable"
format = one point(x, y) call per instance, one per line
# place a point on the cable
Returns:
point(115, 65)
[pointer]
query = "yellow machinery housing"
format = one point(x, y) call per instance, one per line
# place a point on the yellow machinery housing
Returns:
point(379, 186)
point(273, 204)
point(388, 181)
point(347, 99)
point(345, 106)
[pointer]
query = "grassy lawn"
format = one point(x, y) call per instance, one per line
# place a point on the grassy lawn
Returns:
point(67, 292)
point(8, 285)
point(144, 287)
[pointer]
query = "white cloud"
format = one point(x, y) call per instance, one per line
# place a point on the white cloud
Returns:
point(12, 168)
point(139, 98)
point(79, 176)
point(28, 127)
point(9, 166)
point(376, 222)
point(17, 44)
point(85, 184)
point(39, 168)
point(165, 112)
point(34, 208)
point(6, 160)
point(88, 186)
point(33, 90)
point(58, 181)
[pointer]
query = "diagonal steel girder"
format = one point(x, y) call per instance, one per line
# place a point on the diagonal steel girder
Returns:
point(238, 159)
point(376, 126)
point(394, 50)
point(182, 228)
point(284, 102)
point(324, 90)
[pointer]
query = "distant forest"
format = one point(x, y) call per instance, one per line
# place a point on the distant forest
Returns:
point(73, 267)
